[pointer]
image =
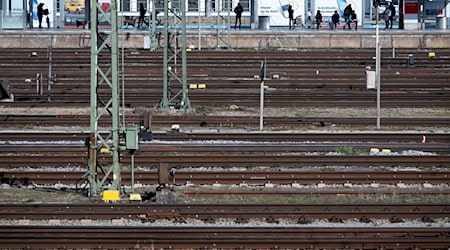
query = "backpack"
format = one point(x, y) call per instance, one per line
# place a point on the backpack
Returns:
point(319, 17)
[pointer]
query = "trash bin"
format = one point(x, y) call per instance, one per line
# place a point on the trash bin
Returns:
point(331, 25)
point(263, 22)
point(441, 22)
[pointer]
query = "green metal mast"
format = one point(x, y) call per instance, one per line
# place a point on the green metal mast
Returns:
point(177, 97)
point(104, 81)
point(153, 25)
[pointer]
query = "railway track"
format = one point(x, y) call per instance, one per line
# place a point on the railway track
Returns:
point(309, 78)
point(274, 98)
point(303, 78)
point(228, 155)
point(239, 213)
point(207, 237)
point(299, 177)
point(232, 135)
point(233, 122)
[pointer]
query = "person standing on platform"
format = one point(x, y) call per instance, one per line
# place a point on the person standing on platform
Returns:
point(318, 19)
point(347, 13)
point(141, 15)
point(40, 14)
point(387, 18)
point(291, 16)
point(238, 10)
point(335, 19)
point(391, 17)
point(308, 21)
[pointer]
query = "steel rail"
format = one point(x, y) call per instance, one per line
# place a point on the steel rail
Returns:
point(225, 98)
point(207, 134)
point(158, 121)
point(240, 213)
point(232, 177)
point(119, 237)
point(230, 155)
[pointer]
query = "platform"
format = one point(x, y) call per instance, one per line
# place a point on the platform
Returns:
point(275, 38)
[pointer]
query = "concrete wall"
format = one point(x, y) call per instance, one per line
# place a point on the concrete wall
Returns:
point(241, 39)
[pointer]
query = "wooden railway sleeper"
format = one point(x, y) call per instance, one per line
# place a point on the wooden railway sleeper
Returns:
point(365, 219)
point(427, 219)
point(241, 220)
point(303, 220)
point(272, 220)
point(209, 220)
point(395, 219)
point(335, 219)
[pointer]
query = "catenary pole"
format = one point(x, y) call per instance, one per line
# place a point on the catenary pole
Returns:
point(377, 67)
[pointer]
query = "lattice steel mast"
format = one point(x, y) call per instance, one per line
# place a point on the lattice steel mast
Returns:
point(104, 79)
point(172, 95)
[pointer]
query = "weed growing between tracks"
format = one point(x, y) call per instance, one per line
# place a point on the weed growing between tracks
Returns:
point(347, 150)
point(25, 195)
point(230, 195)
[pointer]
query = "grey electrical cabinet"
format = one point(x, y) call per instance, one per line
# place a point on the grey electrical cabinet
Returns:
point(131, 138)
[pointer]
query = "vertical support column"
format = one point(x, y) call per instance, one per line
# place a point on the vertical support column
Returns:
point(104, 76)
point(61, 13)
point(94, 184)
point(171, 68)
point(153, 26)
point(207, 7)
point(115, 96)
point(185, 100)
point(229, 7)
point(377, 68)
point(165, 98)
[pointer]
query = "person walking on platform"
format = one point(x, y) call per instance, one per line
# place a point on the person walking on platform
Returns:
point(318, 19)
point(141, 15)
point(347, 13)
point(354, 19)
point(40, 14)
point(291, 16)
point(391, 17)
point(335, 19)
point(238, 10)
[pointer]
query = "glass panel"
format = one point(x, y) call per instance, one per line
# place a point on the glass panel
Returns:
point(159, 5)
point(227, 5)
point(192, 5)
point(139, 3)
point(176, 4)
point(213, 5)
point(13, 19)
point(125, 4)
point(245, 4)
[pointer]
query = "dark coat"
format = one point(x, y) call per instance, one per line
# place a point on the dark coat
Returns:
point(40, 10)
point(335, 18)
point(238, 10)
point(291, 12)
